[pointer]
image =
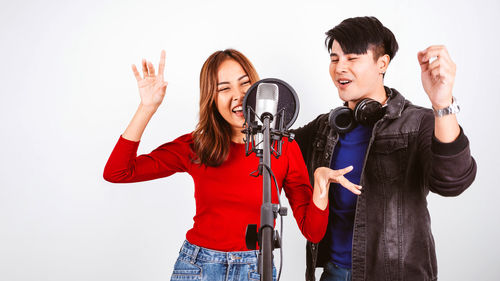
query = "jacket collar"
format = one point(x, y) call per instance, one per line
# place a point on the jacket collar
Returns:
point(395, 103)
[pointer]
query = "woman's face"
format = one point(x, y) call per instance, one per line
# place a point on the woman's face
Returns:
point(232, 84)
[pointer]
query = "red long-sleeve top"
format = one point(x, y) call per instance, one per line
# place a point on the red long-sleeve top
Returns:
point(227, 197)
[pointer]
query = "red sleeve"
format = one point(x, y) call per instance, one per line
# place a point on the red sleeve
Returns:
point(125, 166)
point(311, 220)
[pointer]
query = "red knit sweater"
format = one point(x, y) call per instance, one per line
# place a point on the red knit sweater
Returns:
point(227, 197)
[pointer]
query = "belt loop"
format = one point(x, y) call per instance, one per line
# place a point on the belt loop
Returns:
point(194, 254)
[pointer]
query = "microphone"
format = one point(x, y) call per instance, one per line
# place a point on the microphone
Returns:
point(269, 97)
point(266, 105)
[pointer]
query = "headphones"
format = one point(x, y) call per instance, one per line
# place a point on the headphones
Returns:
point(366, 112)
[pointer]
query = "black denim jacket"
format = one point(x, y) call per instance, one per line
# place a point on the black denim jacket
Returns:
point(392, 237)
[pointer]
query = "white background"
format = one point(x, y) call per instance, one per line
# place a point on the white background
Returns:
point(67, 93)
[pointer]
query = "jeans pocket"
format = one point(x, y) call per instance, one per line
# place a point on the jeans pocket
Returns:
point(184, 270)
point(254, 275)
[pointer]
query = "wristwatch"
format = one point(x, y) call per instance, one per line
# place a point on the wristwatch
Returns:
point(452, 109)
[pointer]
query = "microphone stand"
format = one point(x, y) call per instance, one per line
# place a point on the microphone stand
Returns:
point(267, 238)
point(266, 211)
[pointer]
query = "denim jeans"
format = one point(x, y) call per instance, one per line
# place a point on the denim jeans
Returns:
point(334, 272)
point(197, 263)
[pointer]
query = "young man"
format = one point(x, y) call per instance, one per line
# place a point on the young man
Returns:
point(379, 225)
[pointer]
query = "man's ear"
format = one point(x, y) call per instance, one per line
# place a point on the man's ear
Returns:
point(383, 63)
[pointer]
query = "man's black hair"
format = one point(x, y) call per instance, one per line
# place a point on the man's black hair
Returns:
point(357, 35)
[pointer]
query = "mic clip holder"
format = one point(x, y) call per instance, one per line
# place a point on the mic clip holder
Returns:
point(253, 127)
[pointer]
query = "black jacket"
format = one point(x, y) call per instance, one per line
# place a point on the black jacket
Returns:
point(392, 237)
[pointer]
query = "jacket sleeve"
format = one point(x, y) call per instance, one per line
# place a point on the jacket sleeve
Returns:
point(311, 220)
point(449, 168)
point(304, 136)
point(125, 166)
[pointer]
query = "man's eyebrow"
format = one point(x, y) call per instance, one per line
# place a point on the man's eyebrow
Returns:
point(333, 54)
point(222, 83)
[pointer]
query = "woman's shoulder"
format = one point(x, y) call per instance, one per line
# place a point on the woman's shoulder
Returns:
point(290, 146)
point(182, 142)
point(186, 138)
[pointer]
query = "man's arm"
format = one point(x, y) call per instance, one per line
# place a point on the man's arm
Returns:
point(449, 169)
point(438, 78)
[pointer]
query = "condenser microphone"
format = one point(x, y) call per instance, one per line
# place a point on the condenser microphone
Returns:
point(269, 97)
point(288, 103)
point(266, 105)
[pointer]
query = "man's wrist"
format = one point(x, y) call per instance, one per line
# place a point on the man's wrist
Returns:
point(440, 111)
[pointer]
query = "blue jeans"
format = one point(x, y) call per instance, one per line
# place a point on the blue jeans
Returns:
point(197, 263)
point(334, 272)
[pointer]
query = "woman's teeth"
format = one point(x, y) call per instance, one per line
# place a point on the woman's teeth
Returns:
point(238, 109)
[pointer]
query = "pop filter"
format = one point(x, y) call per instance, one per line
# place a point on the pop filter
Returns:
point(288, 103)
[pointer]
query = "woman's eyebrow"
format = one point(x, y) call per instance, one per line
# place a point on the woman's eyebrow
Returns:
point(222, 83)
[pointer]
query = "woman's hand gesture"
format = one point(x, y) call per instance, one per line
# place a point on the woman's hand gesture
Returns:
point(152, 86)
point(323, 176)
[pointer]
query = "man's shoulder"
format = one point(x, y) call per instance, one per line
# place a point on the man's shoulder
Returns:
point(410, 119)
point(314, 125)
point(406, 106)
point(411, 109)
point(318, 127)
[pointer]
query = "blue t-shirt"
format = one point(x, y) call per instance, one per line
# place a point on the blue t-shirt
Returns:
point(350, 150)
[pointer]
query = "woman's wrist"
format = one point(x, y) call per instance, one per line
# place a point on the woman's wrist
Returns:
point(148, 109)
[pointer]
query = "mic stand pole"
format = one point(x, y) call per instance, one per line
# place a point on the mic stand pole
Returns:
point(266, 210)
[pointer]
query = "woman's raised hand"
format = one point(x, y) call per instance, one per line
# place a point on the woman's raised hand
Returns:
point(152, 86)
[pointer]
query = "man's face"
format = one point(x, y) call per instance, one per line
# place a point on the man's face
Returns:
point(355, 76)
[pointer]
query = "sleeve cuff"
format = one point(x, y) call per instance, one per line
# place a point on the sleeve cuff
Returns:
point(317, 211)
point(452, 148)
point(124, 141)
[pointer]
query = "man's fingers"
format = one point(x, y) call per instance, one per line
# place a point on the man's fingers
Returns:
point(424, 64)
point(438, 51)
point(435, 64)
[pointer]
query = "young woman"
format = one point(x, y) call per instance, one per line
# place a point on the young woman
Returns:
point(227, 197)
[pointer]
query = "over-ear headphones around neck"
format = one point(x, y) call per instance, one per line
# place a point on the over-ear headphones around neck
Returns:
point(366, 112)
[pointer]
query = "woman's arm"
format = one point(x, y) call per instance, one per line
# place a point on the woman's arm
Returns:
point(152, 89)
point(311, 219)
point(123, 164)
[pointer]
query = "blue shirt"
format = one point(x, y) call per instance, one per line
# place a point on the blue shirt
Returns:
point(350, 150)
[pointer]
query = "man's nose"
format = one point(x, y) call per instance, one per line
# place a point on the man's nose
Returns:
point(341, 66)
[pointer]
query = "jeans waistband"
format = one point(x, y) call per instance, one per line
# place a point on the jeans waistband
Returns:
point(193, 252)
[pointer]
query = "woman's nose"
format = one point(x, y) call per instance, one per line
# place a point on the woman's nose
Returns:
point(240, 94)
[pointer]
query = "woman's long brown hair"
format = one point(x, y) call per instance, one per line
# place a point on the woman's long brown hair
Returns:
point(212, 136)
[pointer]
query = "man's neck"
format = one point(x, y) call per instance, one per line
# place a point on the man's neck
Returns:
point(379, 95)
